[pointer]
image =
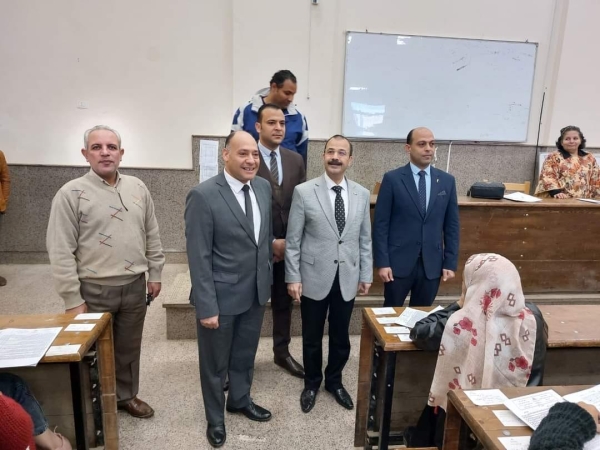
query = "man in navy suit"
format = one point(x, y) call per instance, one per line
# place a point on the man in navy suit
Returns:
point(416, 226)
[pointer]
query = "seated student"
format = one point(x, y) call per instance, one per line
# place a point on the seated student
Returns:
point(15, 388)
point(489, 339)
point(567, 426)
point(569, 172)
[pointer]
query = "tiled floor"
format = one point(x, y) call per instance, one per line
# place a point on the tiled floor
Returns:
point(170, 383)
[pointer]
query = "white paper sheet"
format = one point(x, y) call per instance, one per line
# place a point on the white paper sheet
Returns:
point(89, 316)
point(486, 397)
point(68, 349)
point(434, 310)
point(410, 317)
point(25, 347)
point(208, 159)
point(386, 320)
point(532, 408)
point(515, 442)
point(594, 444)
point(589, 200)
point(397, 330)
point(591, 396)
point(383, 311)
point(508, 418)
point(80, 327)
point(404, 337)
point(521, 197)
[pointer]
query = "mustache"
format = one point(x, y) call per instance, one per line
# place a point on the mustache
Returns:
point(334, 162)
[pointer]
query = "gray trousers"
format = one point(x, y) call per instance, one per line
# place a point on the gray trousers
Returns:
point(127, 304)
point(228, 351)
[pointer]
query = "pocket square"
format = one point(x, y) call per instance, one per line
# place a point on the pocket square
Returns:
point(442, 193)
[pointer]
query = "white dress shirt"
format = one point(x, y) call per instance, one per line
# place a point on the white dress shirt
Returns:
point(236, 187)
point(266, 154)
point(332, 194)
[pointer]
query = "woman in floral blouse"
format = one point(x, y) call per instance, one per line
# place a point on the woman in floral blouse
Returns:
point(569, 172)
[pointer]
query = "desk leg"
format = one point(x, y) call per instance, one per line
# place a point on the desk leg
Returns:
point(372, 395)
point(108, 386)
point(79, 414)
point(386, 413)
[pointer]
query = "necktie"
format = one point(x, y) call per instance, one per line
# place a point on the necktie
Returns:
point(248, 202)
point(274, 169)
point(422, 192)
point(340, 212)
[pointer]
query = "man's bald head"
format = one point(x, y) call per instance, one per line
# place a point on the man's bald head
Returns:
point(409, 137)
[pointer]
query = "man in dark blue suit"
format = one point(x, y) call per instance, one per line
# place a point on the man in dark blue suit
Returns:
point(416, 226)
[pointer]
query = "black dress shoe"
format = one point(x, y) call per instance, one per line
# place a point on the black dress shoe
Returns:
point(307, 399)
point(291, 365)
point(252, 412)
point(342, 397)
point(216, 435)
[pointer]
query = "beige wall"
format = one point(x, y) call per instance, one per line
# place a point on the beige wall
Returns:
point(163, 73)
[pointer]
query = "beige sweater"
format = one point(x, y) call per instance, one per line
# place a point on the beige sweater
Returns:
point(102, 234)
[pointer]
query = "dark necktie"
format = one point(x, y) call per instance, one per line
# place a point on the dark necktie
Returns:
point(340, 212)
point(248, 202)
point(274, 169)
point(422, 192)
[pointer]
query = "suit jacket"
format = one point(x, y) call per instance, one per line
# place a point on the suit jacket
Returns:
point(227, 265)
point(314, 248)
point(401, 232)
point(294, 174)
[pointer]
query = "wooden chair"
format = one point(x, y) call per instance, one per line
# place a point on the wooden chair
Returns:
point(376, 188)
point(519, 187)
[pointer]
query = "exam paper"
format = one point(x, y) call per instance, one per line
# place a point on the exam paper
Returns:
point(384, 320)
point(508, 418)
point(589, 200)
point(382, 311)
point(89, 316)
point(591, 396)
point(397, 330)
point(25, 347)
point(515, 442)
point(57, 350)
point(410, 317)
point(404, 337)
point(521, 197)
point(532, 408)
point(208, 159)
point(80, 327)
point(486, 397)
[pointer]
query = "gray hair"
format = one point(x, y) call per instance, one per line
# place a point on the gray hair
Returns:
point(86, 135)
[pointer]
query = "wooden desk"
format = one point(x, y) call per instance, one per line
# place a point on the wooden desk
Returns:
point(102, 336)
point(462, 415)
point(573, 357)
point(532, 236)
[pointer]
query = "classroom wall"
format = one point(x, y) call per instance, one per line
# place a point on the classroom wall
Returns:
point(161, 74)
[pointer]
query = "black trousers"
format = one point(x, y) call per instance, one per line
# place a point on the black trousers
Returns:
point(422, 290)
point(281, 306)
point(314, 313)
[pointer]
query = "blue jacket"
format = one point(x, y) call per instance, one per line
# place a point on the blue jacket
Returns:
point(296, 128)
point(401, 233)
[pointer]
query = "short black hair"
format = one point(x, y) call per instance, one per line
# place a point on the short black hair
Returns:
point(263, 107)
point(280, 77)
point(560, 147)
point(409, 136)
point(338, 136)
point(229, 138)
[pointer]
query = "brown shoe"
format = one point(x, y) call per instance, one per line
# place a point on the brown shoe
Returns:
point(137, 408)
point(2, 281)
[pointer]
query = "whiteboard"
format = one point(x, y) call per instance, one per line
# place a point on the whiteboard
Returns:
point(462, 89)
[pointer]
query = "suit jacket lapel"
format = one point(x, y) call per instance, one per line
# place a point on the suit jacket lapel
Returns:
point(234, 206)
point(323, 197)
point(264, 216)
point(352, 201)
point(434, 191)
point(409, 182)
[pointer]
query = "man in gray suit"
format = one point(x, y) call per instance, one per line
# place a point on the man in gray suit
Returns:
point(228, 230)
point(327, 260)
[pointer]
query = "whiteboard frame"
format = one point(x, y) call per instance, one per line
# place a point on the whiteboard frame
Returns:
point(348, 32)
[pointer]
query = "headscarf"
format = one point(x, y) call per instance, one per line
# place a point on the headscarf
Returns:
point(490, 341)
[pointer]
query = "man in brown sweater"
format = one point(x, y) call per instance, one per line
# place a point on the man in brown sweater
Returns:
point(102, 239)
point(4, 193)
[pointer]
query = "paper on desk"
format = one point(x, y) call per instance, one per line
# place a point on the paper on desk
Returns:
point(88, 316)
point(397, 330)
point(404, 337)
point(80, 327)
point(382, 311)
point(486, 397)
point(594, 444)
point(25, 347)
point(57, 350)
point(515, 442)
point(589, 200)
point(410, 317)
point(208, 159)
point(384, 320)
point(521, 197)
point(434, 310)
point(532, 408)
point(591, 396)
point(508, 418)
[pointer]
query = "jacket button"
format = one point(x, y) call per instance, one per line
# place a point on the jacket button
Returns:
point(341, 242)
point(335, 262)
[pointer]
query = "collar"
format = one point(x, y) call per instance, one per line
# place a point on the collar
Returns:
point(330, 183)
point(415, 170)
point(259, 99)
point(266, 152)
point(94, 175)
point(235, 184)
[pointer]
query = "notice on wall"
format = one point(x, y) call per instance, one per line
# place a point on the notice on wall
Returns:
point(208, 159)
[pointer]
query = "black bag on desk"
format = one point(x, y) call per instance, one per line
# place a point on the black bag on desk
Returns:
point(487, 189)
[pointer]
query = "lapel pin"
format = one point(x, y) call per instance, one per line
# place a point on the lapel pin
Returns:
point(437, 180)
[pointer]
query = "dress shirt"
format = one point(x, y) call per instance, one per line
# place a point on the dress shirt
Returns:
point(236, 187)
point(415, 171)
point(266, 154)
point(332, 194)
